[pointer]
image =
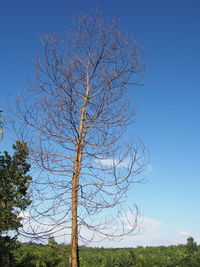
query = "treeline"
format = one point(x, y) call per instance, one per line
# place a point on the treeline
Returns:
point(58, 255)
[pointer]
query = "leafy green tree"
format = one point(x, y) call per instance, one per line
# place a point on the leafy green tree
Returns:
point(14, 197)
point(191, 251)
point(191, 245)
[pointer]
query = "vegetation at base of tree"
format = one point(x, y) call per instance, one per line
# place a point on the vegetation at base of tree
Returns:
point(14, 198)
point(57, 255)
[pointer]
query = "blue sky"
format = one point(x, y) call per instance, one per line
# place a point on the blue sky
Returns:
point(168, 104)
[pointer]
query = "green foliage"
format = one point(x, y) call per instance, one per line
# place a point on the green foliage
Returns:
point(7, 246)
point(14, 185)
point(14, 198)
point(191, 245)
point(55, 255)
point(191, 252)
point(38, 255)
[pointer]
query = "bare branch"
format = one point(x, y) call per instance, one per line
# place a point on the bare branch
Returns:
point(74, 121)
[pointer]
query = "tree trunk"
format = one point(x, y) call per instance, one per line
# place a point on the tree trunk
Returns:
point(74, 233)
point(75, 184)
point(75, 180)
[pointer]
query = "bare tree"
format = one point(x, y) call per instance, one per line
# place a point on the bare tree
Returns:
point(74, 118)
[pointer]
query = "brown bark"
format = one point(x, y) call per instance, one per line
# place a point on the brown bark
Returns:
point(75, 178)
point(74, 231)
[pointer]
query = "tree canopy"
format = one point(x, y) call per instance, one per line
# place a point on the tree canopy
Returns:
point(14, 197)
point(14, 185)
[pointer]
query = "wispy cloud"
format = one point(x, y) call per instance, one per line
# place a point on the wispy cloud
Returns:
point(185, 234)
point(109, 162)
point(149, 168)
point(150, 224)
point(189, 234)
point(147, 234)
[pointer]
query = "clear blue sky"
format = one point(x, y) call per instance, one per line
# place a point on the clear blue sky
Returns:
point(168, 105)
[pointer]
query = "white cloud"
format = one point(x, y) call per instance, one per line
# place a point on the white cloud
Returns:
point(149, 168)
point(150, 224)
point(109, 162)
point(147, 234)
point(185, 234)
point(24, 215)
point(189, 234)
